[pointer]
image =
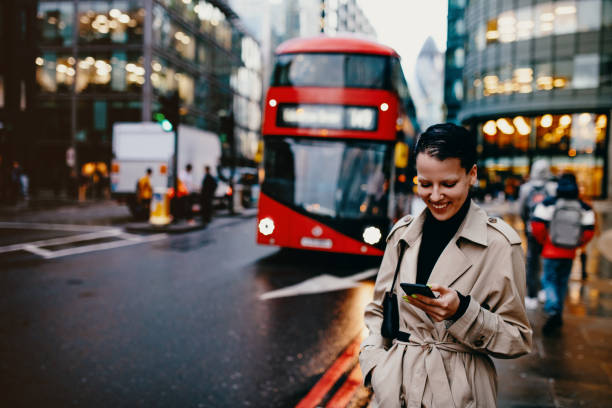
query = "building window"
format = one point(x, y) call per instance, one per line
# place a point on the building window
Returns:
point(458, 89)
point(565, 17)
point(544, 78)
point(589, 15)
point(55, 22)
point(586, 71)
point(544, 19)
point(564, 70)
point(55, 73)
point(103, 22)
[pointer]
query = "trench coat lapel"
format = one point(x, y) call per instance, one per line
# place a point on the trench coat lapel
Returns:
point(453, 262)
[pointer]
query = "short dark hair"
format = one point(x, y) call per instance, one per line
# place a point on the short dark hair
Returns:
point(149, 170)
point(447, 140)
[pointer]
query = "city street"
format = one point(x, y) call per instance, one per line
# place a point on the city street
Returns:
point(93, 316)
point(167, 320)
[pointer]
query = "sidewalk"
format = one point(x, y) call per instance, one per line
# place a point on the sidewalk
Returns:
point(575, 368)
point(91, 212)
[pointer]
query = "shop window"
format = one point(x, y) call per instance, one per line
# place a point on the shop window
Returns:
point(589, 15)
point(103, 22)
point(55, 22)
point(586, 71)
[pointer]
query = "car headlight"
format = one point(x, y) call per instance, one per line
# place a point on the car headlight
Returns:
point(372, 235)
point(266, 226)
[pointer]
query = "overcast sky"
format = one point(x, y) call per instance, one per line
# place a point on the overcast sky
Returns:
point(405, 24)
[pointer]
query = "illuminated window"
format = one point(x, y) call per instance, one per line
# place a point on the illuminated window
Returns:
point(565, 17)
point(102, 22)
point(55, 73)
point(544, 19)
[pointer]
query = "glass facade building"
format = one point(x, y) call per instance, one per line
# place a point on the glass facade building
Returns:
point(101, 62)
point(455, 59)
point(537, 83)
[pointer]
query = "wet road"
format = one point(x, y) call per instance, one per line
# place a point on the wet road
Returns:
point(173, 322)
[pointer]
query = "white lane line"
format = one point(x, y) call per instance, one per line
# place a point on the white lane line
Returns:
point(62, 240)
point(37, 251)
point(103, 246)
point(320, 284)
point(52, 227)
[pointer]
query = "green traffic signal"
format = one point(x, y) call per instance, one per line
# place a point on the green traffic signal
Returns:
point(166, 125)
point(159, 117)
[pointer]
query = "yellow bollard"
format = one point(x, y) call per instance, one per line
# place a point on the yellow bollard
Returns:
point(160, 207)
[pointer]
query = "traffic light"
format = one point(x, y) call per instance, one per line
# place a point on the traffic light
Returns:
point(168, 116)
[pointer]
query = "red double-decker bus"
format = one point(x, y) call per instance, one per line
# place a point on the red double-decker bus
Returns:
point(333, 113)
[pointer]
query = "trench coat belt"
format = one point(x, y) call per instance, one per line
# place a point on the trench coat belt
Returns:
point(435, 372)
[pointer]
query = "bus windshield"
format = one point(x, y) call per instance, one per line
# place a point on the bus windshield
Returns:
point(332, 70)
point(336, 179)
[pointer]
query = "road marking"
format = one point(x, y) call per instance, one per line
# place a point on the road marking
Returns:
point(320, 284)
point(63, 240)
point(93, 232)
point(348, 389)
point(327, 381)
point(104, 246)
point(55, 227)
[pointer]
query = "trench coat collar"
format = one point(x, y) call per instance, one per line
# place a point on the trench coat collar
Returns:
point(473, 228)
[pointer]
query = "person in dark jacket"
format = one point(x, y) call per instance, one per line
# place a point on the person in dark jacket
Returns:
point(557, 261)
point(207, 193)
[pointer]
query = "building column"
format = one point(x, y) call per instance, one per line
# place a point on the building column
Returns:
point(147, 89)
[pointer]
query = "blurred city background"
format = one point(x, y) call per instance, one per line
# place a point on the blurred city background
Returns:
point(118, 290)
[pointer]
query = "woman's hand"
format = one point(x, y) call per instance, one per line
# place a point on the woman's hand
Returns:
point(441, 308)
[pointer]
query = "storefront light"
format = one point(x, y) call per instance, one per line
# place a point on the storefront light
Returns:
point(546, 121)
point(565, 120)
point(601, 121)
point(559, 82)
point(39, 61)
point(584, 119)
point(504, 126)
point(521, 125)
point(115, 13)
point(490, 128)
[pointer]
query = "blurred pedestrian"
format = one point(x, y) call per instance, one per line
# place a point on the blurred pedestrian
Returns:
point(539, 187)
point(16, 186)
point(144, 194)
point(186, 202)
point(436, 351)
point(561, 224)
point(207, 193)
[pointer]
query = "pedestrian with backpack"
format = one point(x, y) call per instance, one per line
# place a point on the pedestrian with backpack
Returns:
point(561, 224)
point(539, 187)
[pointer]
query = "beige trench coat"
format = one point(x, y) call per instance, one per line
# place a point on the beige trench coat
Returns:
point(447, 364)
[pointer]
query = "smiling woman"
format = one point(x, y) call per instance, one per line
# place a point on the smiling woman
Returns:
point(476, 266)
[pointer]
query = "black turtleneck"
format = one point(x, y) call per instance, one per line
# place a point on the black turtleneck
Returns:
point(436, 235)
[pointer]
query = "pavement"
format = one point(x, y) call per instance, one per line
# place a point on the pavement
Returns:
point(571, 369)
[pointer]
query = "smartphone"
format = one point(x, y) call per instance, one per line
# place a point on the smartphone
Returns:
point(418, 289)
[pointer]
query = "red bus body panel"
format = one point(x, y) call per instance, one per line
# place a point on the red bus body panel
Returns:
point(291, 227)
point(333, 96)
point(341, 44)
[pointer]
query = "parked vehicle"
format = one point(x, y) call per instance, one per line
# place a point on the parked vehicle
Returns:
point(138, 146)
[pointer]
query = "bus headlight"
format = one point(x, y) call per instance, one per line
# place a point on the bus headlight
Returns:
point(372, 235)
point(266, 226)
